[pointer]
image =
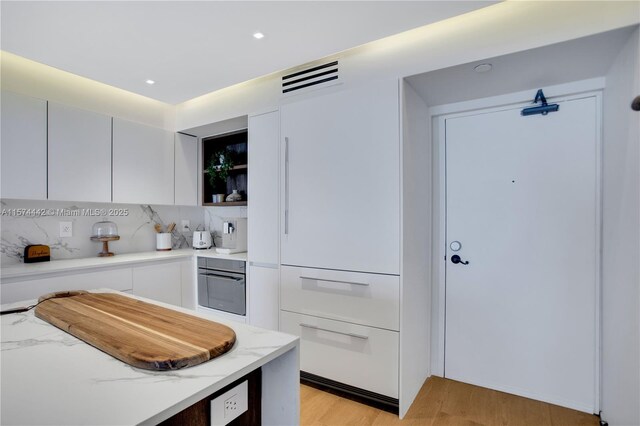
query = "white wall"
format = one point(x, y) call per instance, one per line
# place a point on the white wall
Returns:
point(415, 320)
point(621, 241)
point(500, 29)
point(33, 79)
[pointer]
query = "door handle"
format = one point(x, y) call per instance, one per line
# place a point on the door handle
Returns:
point(286, 186)
point(456, 259)
point(314, 327)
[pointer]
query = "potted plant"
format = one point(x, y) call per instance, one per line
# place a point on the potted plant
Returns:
point(218, 170)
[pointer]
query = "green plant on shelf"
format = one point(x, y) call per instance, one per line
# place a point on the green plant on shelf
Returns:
point(220, 163)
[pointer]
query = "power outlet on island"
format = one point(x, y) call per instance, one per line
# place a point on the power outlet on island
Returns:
point(229, 405)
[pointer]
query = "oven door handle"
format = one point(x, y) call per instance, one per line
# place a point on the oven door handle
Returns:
point(224, 277)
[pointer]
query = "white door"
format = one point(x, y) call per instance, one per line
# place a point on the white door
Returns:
point(521, 201)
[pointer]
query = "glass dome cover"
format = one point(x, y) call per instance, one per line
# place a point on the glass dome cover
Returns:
point(105, 229)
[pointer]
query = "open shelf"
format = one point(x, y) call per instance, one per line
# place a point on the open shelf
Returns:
point(226, 204)
point(234, 168)
point(236, 143)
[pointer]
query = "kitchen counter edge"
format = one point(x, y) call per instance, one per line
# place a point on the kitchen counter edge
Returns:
point(21, 271)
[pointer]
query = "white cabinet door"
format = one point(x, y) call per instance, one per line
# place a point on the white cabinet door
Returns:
point(263, 188)
point(143, 169)
point(188, 283)
point(364, 357)
point(161, 282)
point(79, 154)
point(24, 147)
point(116, 279)
point(367, 299)
point(341, 180)
point(264, 286)
point(186, 174)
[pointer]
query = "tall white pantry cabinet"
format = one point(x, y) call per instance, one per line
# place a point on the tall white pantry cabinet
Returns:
point(341, 236)
point(263, 219)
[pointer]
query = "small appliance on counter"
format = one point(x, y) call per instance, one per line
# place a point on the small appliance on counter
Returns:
point(202, 240)
point(234, 236)
point(104, 232)
point(37, 253)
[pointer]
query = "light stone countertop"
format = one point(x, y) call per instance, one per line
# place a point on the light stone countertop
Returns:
point(32, 270)
point(51, 378)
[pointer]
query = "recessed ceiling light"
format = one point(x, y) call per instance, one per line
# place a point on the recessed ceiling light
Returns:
point(258, 35)
point(150, 82)
point(483, 68)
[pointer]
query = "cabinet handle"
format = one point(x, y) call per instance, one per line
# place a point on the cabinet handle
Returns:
point(286, 186)
point(264, 265)
point(223, 277)
point(357, 336)
point(334, 281)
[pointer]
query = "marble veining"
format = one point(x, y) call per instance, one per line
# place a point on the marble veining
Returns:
point(25, 222)
point(73, 383)
point(22, 224)
point(214, 216)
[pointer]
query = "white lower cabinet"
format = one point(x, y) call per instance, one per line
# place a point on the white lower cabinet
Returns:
point(115, 279)
point(263, 283)
point(188, 284)
point(171, 282)
point(348, 323)
point(367, 299)
point(364, 357)
point(159, 282)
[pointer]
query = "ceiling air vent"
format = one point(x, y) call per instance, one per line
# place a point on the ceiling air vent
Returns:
point(317, 76)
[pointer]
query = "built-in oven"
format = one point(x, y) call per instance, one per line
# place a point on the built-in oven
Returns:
point(222, 285)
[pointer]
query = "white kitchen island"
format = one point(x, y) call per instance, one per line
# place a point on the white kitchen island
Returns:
point(49, 377)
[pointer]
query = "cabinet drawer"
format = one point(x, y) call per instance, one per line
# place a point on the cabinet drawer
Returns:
point(116, 279)
point(359, 356)
point(367, 299)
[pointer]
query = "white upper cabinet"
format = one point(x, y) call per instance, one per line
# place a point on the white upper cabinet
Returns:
point(79, 154)
point(186, 163)
point(341, 180)
point(263, 186)
point(24, 147)
point(143, 164)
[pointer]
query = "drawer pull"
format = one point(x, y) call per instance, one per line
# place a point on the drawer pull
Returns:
point(358, 336)
point(334, 281)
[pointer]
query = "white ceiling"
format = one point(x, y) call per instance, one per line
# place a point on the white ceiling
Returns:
point(191, 48)
point(573, 60)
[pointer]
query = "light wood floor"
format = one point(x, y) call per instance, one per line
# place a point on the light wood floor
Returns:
point(440, 402)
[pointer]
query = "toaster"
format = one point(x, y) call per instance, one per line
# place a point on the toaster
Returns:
point(202, 240)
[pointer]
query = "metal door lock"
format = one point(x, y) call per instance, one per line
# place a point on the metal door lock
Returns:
point(456, 259)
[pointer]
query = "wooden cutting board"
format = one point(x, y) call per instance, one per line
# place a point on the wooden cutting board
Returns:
point(141, 334)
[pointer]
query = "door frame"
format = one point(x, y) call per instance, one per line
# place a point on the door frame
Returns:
point(437, 116)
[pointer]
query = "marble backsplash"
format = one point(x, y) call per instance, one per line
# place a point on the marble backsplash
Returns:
point(25, 222)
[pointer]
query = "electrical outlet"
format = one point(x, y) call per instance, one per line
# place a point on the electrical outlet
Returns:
point(66, 229)
point(185, 225)
point(230, 405)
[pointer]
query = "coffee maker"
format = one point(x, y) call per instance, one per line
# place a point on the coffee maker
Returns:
point(234, 236)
